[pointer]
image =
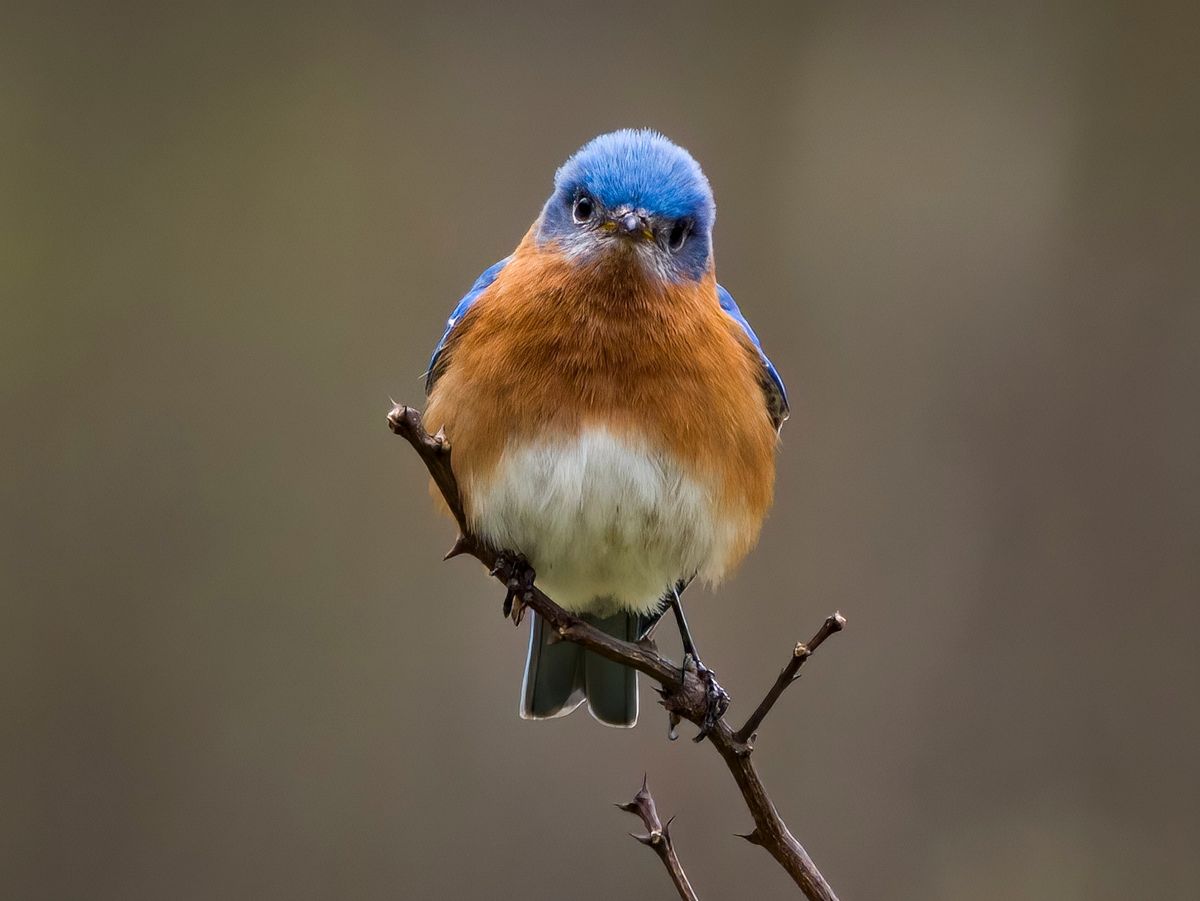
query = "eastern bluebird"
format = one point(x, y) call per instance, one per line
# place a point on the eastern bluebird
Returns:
point(612, 415)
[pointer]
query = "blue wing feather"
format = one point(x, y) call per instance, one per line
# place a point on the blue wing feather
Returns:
point(481, 284)
point(776, 394)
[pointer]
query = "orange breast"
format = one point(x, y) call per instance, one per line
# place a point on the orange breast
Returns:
point(554, 346)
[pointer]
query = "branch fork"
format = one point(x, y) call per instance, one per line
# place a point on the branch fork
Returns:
point(683, 692)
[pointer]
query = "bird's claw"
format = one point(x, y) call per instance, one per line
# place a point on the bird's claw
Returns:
point(518, 578)
point(716, 699)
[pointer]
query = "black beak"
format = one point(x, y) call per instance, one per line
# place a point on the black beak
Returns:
point(631, 224)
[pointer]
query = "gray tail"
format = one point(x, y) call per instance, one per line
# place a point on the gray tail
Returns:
point(560, 675)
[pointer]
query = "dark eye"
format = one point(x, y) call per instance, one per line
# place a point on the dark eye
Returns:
point(679, 233)
point(583, 208)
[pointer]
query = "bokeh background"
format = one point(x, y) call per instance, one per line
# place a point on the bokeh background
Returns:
point(232, 663)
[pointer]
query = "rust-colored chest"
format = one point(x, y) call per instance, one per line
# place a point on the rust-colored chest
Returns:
point(553, 348)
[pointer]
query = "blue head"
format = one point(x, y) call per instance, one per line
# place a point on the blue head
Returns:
point(633, 193)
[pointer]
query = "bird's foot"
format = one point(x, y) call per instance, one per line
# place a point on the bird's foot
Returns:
point(716, 699)
point(518, 578)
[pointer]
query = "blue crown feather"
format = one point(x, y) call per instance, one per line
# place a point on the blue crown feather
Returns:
point(644, 169)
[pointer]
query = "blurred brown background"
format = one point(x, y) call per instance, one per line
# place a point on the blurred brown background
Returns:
point(233, 666)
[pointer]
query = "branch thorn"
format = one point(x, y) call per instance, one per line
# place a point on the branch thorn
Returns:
point(461, 546)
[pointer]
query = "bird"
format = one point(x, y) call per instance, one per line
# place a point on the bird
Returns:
point(613, 417)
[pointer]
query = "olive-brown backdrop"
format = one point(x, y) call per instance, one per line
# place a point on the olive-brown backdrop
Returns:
point(232, 663)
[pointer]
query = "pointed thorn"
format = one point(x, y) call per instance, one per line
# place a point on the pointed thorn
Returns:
point(461, 546)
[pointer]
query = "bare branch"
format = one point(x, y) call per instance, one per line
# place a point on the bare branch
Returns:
point(683, 692)
point(833, 623)
point(658, 839)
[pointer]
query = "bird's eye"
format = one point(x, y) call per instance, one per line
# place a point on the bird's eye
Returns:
point(583, 208)
point(679, 233)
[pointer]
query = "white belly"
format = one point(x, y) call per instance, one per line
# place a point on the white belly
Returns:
point(605, 523)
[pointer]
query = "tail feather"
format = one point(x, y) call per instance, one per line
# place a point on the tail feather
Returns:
point(612, 688)
point(553, 683)
point(560, 675)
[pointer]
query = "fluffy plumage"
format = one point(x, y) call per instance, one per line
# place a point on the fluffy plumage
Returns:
point(611, 519)
point(611, 413)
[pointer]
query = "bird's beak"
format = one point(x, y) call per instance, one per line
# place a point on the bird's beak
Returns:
point(629, 224)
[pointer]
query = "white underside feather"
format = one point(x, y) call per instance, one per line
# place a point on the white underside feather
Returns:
point(605, 523)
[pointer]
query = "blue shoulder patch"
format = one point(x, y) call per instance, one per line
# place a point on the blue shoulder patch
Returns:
point(776, 394)
point(481, 285)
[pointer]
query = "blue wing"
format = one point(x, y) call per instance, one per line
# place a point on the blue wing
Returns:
point(481, 285)
point(772, 384)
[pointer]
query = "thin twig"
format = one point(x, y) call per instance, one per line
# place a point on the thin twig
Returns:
point(835, 622)
point(684, 694)
point(658, 839)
